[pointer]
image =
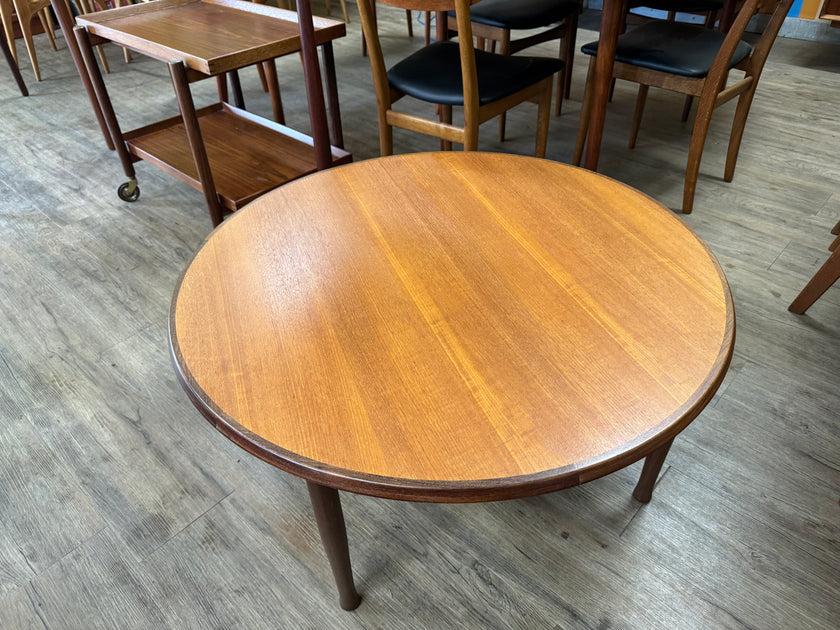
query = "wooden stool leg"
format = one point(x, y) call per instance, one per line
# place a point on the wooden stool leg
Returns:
point(327, 507)
point(653, 464)
point(819, 284)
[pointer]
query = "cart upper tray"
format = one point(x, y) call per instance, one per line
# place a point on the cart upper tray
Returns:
point(210, 36)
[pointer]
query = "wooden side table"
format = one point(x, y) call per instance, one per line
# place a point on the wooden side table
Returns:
point(451, 327)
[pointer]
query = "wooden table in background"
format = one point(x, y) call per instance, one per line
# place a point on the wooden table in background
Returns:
point(451, 327)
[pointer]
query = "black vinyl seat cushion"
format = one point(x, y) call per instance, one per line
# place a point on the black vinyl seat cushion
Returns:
point(674, 47)
point(680, 6)
point(433, 74)
point(521, 14)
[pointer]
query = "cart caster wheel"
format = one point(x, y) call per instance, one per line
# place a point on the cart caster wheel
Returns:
point(125, 195)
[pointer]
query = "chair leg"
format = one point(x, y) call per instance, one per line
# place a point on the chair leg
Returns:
point(103, 59)
point(344, 11)
point(585, 112)
point(26, 30)
point(641, 98)
point(409, 23)
point(47, 23)
point(738, 123)
point(504, 49)
point(445, 113)
point(819, 284)
point(427, 27)
point(689, 101)
point(569, 40)
point(543, 118)
point(695, 153)
point(386, 137)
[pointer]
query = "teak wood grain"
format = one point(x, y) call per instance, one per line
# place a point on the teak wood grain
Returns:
point(171, 30)
point(452, 327)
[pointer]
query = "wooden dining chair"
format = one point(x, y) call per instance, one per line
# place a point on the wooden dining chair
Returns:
point(454, 74)
point(692, 60)
point(26, 10)
point(544, 20)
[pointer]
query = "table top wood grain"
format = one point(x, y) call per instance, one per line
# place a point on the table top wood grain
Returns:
point(452, 326)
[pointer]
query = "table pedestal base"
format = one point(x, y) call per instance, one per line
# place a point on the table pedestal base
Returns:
point(327, 507)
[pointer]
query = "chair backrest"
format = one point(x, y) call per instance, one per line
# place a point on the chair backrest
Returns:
point(778, 9)
point(377, 61)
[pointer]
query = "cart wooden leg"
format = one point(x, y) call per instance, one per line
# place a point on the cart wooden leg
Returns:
point(104, 103)
point(314, 88)
point(178, 73)
point(327, 507)
point(67, 23)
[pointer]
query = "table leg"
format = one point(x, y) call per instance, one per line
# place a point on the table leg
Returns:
point(67, 23)
point(607, 37)
point(327, 507)
point(653, 464)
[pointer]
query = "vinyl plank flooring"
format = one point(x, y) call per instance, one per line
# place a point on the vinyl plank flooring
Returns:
point(96, 586)
point(122, 507)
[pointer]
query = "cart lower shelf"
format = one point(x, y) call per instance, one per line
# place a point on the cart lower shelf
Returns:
point(248, 155)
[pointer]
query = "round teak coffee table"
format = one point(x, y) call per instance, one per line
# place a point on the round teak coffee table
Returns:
point(451, 327)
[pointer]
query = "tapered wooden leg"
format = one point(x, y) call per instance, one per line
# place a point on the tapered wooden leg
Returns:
point(13, 66)
point(585, 111)
point(327, 507)
point(445, 115)
point(641, 99)
point(738, 124)
point(695, 153)
point(611, 19)
point(689, 101)
point(819, 284)
point(653, 464)
point(543, 119)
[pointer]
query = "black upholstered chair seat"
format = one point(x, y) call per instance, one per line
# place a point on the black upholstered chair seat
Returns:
point(433, 74)
point(680, 6)
point(521, 14)
point(673, 47)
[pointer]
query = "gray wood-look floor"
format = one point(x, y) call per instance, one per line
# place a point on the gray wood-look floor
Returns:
point(121, 507)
